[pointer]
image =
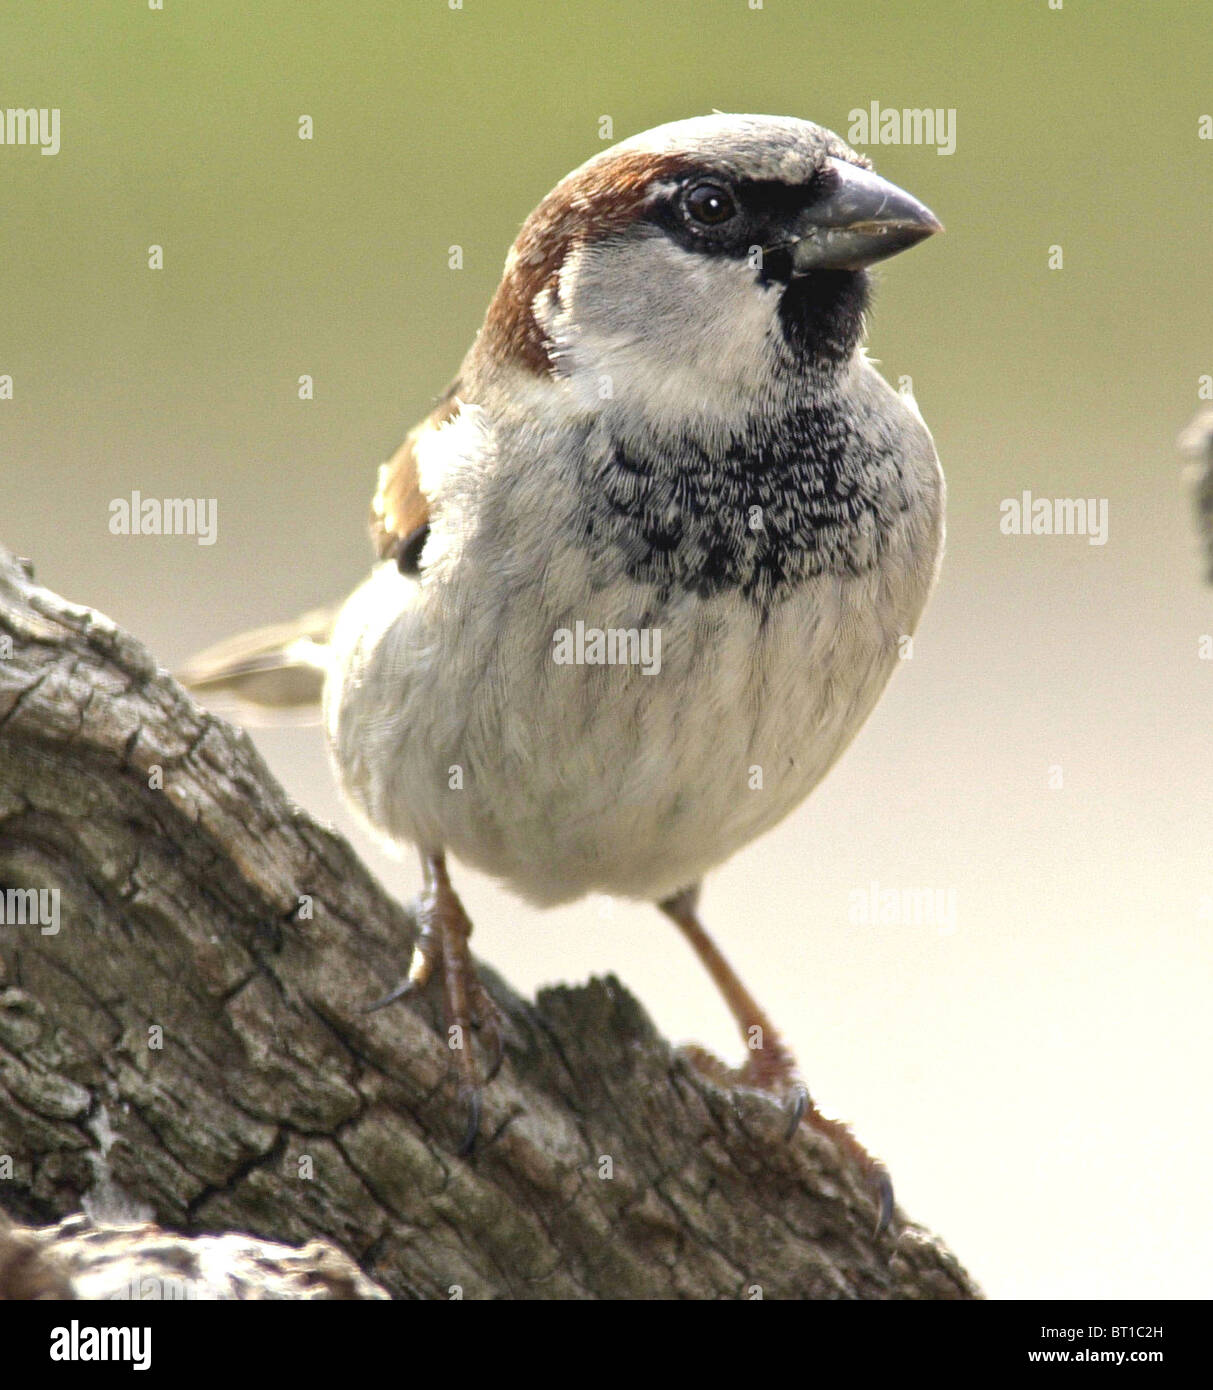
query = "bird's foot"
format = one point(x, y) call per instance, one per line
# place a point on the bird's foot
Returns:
point(774, 1069)
point(770, 1065)
point(443, 929)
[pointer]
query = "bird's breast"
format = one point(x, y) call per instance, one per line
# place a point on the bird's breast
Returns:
point(611, 681)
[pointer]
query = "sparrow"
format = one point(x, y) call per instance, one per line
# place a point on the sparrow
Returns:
point(643, 571)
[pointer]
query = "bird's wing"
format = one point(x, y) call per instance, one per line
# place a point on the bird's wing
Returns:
point(401, 509)
point(276, 674)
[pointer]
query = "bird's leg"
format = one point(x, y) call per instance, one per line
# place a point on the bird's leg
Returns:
point(771, 1065)
point(426, 950)
point(443, 929)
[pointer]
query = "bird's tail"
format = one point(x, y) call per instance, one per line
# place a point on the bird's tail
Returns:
point(271, 675)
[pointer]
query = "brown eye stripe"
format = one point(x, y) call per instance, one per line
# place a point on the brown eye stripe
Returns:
point(600, 198)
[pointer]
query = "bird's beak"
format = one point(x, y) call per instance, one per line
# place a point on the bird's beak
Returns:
point(860, 219)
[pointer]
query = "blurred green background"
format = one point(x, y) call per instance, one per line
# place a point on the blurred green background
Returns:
point(1036, 1078)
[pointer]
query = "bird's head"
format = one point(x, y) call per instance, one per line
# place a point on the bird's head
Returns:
point(700, 265)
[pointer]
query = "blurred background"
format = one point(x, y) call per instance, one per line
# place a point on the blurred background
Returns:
point(1034, 1066)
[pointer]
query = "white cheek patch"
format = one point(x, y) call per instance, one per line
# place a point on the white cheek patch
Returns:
point(647, 324)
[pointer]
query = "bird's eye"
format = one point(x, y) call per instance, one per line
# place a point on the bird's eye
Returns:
point(710, 204)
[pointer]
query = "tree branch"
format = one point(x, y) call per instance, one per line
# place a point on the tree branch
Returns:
point(1197, 442)
point(182, 1039)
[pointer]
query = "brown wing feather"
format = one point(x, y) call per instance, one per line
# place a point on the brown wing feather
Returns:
point(400, 508)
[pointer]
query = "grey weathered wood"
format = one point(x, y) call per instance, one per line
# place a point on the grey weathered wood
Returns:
point(191, 1047)
point(80, 1259)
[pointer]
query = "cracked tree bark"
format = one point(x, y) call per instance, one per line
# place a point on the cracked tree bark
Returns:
point(190, 1047)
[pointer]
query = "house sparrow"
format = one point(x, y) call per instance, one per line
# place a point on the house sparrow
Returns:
point(644, 569)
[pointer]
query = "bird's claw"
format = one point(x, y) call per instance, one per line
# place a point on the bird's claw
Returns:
point(470, 1096)
point(796, 1103)
point(405, 987)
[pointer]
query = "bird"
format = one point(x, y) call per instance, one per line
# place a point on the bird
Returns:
point(644, 570)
